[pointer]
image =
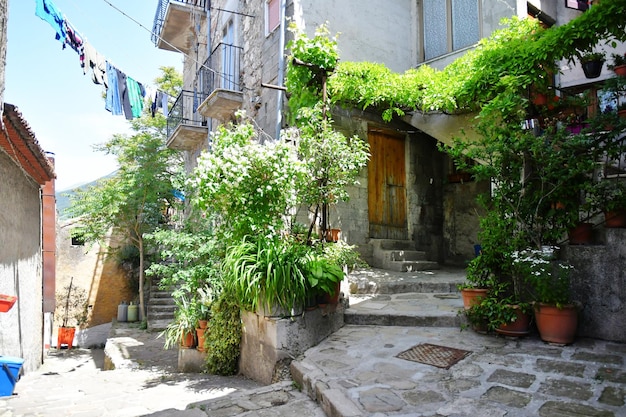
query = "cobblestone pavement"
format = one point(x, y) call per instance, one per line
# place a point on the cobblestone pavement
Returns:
point(357, 371)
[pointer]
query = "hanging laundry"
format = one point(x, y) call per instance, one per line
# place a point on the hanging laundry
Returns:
point(47, 11)
point(75, 41)
point(165, 98)
point(96, 63)
point(113, 102)
point(135, 97)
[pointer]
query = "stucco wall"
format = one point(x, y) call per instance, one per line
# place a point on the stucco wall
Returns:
point(21, 328)
point(105, 283)
point(366, 28)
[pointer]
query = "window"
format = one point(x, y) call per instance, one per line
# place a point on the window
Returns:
point(272, 15)
point(449, 25)
point(581, 5)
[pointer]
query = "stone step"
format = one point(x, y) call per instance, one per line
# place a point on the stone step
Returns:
point(406, 255)
point(380, 281)
point(158, 325)
point(162, 301)
point(160, 294)
point(407, 309)
point(410, 266)
point(162, 309)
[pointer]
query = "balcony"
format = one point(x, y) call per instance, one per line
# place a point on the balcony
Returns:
point(220, 78)
point(173, 28)
point(186, 129)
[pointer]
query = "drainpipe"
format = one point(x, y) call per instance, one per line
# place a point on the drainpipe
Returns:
point(281, 69)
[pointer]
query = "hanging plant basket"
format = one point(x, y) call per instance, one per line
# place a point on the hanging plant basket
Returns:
point(592, 69)
point(6, 302)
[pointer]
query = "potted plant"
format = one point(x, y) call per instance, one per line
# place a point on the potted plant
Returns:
point(204, 301)
point(323, 278)
point(181, 331)
point(619, 64)
point(609, 196)
point(265, 273)
point(479, 278)
point(72, 302)
point(592, 63)
point(555, 313)
point(500, 311)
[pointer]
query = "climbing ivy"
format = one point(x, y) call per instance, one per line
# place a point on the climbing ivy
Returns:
point(516, 56)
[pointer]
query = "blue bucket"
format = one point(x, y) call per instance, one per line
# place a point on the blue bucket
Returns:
point(9, 374)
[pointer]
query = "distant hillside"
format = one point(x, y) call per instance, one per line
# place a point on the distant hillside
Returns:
point(63, 196)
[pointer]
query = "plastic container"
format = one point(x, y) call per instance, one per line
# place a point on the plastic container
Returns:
point(132, 312)
point(9, 374)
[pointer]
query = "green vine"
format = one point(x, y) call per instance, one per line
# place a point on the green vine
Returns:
point(518, 55)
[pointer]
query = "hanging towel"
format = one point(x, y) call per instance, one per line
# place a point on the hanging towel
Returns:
point(134, 97)
point(113, 102)
point(47, 11)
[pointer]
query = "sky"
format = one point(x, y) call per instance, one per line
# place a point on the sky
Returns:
point(64, 108)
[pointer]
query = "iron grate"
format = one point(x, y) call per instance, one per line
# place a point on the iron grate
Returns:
point(435, 355)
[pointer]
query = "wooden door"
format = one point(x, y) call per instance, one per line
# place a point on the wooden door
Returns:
point(387, 186)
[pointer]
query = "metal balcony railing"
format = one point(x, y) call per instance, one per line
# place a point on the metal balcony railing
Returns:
point(184, 112)
point(159, 16)
point(221, 70)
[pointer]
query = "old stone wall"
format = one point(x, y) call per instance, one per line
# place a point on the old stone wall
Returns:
point(460, 213)
point(21, 328)
point(269, 344)
point(599, 285)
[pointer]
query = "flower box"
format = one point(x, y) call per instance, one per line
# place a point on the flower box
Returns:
point(6, 302)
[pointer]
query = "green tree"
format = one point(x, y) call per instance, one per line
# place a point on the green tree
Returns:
point(135, 199)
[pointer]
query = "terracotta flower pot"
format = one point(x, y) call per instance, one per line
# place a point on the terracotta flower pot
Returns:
point(472, 296)
point(615, 219)
point(582, 234)
point(201, 338)
point(556, 325)
point(620, 70)
point(518, 328)
point(202, 324)
point(188, 340)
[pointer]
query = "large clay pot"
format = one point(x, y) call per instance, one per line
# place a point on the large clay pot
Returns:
point(200, 332)
point(518, 328)
point(188, 340)
point(556, 325)
point(615, 219)
point(472, 296)
point(582, 234)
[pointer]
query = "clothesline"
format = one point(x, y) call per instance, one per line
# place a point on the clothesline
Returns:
point(124, 94)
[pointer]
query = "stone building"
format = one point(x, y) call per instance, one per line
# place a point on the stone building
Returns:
point(235, 58)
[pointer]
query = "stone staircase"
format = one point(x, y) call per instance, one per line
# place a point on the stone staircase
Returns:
point(390, 298)
point(160, 309)
point(400, 256)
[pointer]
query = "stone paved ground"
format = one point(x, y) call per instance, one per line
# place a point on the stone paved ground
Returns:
point(357, 372)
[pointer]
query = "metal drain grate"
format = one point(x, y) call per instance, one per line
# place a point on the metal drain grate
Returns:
point(435, 355)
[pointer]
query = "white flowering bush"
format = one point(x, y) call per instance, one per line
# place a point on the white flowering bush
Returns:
point(249, 185)
point(547, 277)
